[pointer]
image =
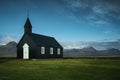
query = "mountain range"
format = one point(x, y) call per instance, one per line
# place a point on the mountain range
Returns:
point(9, 50)
point(90, 51)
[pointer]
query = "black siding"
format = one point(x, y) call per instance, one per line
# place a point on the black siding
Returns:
point(32, 47)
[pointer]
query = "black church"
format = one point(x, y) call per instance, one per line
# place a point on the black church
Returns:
point(35, 46)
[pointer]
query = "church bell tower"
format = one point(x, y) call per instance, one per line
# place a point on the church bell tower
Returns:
point(28, 27)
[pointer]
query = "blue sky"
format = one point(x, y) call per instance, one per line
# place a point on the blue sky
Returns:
point(70, 21)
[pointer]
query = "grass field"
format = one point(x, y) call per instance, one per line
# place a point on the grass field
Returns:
point(60, 69)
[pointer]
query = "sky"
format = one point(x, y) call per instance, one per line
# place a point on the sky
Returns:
point(74, 23)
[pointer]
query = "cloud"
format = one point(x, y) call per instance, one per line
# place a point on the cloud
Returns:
point(4, 39)
point(70, 45)
point(96, 11)
point(105, 45)
point(112, 33)
point(98, 45)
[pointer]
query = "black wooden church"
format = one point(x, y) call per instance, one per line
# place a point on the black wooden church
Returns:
point(35, 46)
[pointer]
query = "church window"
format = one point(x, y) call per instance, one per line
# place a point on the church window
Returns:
point(42, 50)
point(51, 50)
point(58, 51)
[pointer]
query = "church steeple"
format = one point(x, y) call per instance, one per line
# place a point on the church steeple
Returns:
point(28, 27)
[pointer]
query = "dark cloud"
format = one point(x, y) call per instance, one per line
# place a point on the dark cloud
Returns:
point(98, 11)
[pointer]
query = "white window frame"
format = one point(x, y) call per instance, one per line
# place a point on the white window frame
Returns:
point(42, 50)
point(51, 51)
point(58, 51)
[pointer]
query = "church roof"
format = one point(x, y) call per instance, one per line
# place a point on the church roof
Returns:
point(42, 40)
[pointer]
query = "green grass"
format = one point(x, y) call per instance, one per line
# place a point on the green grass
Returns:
point(60, 69)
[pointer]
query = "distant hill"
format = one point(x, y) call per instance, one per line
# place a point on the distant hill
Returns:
point(8, 50)
point(90, 51)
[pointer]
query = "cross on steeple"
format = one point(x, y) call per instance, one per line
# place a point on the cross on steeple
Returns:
point(27, 13)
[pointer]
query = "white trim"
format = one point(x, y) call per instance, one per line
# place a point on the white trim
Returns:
point(25, 51)
point(42, 50)
point(51, 50)
point(58, 51)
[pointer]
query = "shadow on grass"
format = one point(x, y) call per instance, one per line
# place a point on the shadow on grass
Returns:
point(6, 59)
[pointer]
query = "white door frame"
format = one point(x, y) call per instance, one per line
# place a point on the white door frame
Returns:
point(25, 51)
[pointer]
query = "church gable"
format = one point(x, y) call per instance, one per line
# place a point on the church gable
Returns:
point(26, 39)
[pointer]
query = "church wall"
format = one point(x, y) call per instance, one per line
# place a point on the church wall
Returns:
point(47, 53)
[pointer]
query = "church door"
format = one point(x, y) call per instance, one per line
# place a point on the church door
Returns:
point(25, 51)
